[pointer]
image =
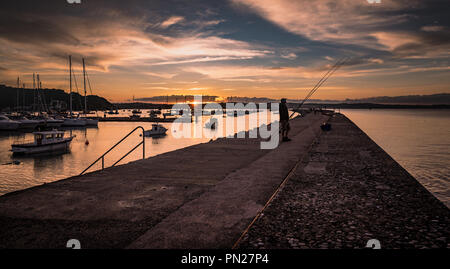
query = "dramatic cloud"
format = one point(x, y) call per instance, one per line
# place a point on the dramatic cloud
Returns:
point(119, 40)
point(356, 22)
point(171, 21)
point(245, 47)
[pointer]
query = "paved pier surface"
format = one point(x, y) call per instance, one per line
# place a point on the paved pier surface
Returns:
point(198, 197)
point(338, 189)
point(346, 191)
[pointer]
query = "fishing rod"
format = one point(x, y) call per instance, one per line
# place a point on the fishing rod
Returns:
point(324, 78)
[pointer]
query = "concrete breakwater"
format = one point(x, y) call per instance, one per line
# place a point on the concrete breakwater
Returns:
point(345, 192)
point(207, 195)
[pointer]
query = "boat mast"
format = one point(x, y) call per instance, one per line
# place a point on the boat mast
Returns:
point(39, 94)
point(42, 96)
point(70, 79)
point(34, 92)
point(23, 98)
point(84, 79)
point(18, 86)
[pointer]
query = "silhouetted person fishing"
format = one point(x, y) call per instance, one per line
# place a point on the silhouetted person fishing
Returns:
point(284, 113)
point(284, 120)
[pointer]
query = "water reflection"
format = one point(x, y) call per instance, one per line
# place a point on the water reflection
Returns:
point(419, 139)
point(88, 144)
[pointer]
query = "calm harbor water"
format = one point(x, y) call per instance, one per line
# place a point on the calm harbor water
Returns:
point(36, 170)
point(418, 139)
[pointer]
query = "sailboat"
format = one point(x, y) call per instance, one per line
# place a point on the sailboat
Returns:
point(136, 112)
point(71, 120)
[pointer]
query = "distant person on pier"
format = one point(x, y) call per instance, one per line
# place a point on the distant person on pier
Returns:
point(284, 120)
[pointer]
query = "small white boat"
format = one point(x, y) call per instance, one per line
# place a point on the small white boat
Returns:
point(44, 142)
point(74, 122)
point(8, 124)
point(157, 130)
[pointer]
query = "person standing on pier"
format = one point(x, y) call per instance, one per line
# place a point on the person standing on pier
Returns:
point(284, 120)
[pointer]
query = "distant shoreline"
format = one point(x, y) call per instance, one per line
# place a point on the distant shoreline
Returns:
point(14, 99)
point(376, 106)
point(138, 105)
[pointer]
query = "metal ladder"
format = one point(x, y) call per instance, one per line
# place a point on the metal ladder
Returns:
point(121, 140)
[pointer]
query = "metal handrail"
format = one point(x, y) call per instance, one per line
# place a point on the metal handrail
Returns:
point(121, 140)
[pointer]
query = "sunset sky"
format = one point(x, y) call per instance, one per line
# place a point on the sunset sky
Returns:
point(273, 48)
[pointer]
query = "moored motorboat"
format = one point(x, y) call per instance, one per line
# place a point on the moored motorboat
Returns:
point(74, 122)
point(25, 123)
point(91, 122)
point(157, 130)
point(8, 124)
point(44, 142)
